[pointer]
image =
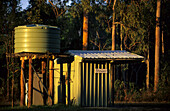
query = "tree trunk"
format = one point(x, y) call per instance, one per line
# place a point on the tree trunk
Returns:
point(113, 33)
point(163, 48)
point(85, 31)
point(148, 63)
point(12, 89)
point(113, 27)
point(157, 44)
point(7, 60)
point(147, 75)
point(121, 37)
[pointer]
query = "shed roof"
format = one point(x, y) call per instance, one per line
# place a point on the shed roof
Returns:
point(106, 55)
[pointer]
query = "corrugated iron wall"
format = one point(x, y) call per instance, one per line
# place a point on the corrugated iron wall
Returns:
point(95, 87)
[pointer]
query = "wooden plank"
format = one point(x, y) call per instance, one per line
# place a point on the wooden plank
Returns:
point(38, 55)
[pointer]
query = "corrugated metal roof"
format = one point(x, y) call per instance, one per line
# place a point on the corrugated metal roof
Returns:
point(94, 54)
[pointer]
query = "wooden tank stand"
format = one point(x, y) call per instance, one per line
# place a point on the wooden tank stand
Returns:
point(50, 60)
point(22, 81)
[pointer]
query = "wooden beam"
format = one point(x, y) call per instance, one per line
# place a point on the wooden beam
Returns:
point(51, 82)
point(30, 83)
point(22, 86)
point(37, 55)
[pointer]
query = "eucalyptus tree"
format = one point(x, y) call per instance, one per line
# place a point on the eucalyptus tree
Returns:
point(40, 12)
point(8, 20)
point(157, 44)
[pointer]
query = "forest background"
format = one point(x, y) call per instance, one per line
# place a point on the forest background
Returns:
point(134, 23)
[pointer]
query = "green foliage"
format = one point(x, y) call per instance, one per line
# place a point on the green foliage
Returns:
point(137, 20)
point(36, 11)
point(119, 87)
point(2, 88)
point(133, 94)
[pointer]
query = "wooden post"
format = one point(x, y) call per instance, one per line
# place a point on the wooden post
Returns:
point(112, 84)
point(51, 82)
point(43, 67)
point(68, 82)
point(62, 83)
point(22, 98)
point(30, 81)
point(43, 70)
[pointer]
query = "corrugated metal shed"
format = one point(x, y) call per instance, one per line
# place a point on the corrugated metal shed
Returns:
point(88, 76)
point(107, 55)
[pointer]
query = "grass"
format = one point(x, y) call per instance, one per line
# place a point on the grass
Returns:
point(41, 108)
point(117, 107)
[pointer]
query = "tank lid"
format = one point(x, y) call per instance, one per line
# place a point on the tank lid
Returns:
point(39, 26)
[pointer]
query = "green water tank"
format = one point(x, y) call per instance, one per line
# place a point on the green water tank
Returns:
point(37, 38)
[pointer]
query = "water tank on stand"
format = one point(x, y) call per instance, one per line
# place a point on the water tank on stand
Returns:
point(37, 39)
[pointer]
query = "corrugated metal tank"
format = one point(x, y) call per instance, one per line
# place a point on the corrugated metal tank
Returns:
point(37, 38)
